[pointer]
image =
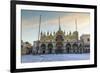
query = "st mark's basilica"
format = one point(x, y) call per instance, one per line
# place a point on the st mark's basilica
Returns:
point(59, 42)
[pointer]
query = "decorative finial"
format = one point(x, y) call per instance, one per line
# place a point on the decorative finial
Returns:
point(48, 33)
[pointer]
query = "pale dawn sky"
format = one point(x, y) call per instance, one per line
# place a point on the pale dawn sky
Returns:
point(50, 22)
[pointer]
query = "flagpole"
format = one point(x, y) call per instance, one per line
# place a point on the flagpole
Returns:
point(39, 28)
point(76, 24)
point(39, 33)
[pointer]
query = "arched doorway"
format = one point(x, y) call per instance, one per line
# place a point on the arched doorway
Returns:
point(43, 48)
point(59, 43)
point(68, 47)
point(87, 49)
point(75, 48)
point(50, 47)
point(80, 48)
point(59, 48)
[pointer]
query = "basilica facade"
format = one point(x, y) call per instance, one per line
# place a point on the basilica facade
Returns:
point(59, 42)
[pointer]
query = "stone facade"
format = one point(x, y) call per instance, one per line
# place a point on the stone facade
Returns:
point(60, 42)
point(26, 48)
